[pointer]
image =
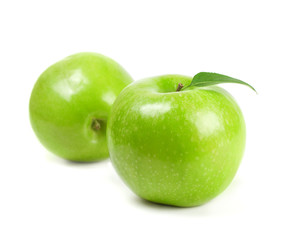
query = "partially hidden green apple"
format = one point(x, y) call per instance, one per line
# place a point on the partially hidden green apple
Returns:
point(70, 103)
point(177, 141)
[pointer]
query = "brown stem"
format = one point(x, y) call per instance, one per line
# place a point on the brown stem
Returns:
point(95, 125)
point(180, 86)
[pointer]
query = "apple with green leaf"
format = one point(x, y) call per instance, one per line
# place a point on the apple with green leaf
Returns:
point(70, 103)
point(176, 140)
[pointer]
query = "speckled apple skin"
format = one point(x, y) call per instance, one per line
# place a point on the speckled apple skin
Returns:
point(175, 148)
point(65, 99)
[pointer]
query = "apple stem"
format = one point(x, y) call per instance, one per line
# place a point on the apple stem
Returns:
point(95, 125)
point(180, 86)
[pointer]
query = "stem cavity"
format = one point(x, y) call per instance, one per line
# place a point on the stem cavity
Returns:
point(95, 125)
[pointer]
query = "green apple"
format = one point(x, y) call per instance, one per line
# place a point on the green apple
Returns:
point(70, 103)
point(177, 145)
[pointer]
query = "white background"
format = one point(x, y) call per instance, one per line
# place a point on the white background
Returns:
point(44, 197)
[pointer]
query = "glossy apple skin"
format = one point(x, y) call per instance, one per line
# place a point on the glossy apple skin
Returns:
point(65, 99)
point(175, 148)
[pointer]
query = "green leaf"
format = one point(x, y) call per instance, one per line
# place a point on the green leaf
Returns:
point(204, 79)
